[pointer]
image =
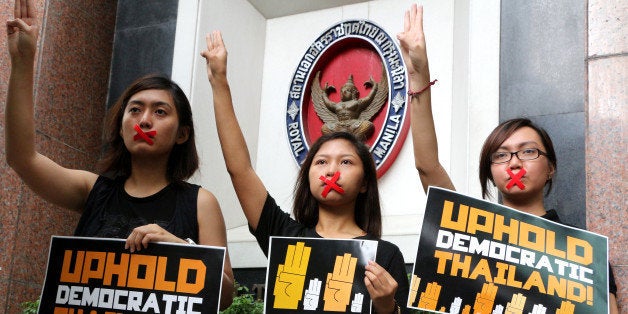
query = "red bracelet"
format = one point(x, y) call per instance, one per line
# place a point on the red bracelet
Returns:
point(412, 94)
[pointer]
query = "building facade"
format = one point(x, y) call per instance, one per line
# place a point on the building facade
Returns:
point(563, 65)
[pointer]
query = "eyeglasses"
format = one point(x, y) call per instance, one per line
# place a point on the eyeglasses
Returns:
point(523, 155)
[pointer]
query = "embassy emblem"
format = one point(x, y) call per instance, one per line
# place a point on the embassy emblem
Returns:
point(352, 78)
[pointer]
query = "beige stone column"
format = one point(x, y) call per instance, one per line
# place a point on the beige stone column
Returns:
point(71, 82)
point(607, 130)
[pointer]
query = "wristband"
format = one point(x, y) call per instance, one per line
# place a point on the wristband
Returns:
point(413, 94)
point(190, 241)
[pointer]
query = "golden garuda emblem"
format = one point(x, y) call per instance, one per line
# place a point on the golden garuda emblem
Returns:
point(352, 113)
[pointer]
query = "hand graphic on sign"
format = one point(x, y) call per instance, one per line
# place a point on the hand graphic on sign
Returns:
point(566, 307)
point(466, 309)
point(356, 304)
point(485, 299)
point(499, 309)
point(538, 309)
point(429, 298)
point(414, 287)
point(339, 283)
point(312, 294)
point(291, 277)
point(515, 306)
point(455, 306)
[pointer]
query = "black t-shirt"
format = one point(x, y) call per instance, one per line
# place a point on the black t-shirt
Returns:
point(276, 222)
point(612, 287)
point(110, 212)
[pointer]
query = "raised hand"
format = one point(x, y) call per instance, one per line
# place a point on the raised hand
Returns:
point(515, 306)
point(339, 283)
point(291, 277)
point(485, 299)
point(424, 141)
point(312, 294)
point(216, 56)
point(412, 42)
point(22, 33)
point(429, 298)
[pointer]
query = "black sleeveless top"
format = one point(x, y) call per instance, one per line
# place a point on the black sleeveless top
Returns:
point(110, 212)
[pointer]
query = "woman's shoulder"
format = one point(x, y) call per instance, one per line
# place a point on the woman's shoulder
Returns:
point(205, 198)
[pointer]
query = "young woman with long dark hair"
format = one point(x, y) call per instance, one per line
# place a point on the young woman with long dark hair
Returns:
point(140, 195)
point(353, 214)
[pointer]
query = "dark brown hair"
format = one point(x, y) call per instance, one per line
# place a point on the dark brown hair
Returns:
point(368, 215)
point(502, 132)
point(183, 159)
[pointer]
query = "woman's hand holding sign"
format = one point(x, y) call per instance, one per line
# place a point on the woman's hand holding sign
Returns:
point(141, 236)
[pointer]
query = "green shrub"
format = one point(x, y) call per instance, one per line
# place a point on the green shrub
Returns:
point(30, 307)
point(244, 303)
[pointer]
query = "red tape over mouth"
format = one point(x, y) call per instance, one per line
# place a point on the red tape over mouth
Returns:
point(515, 179)
point(141, 135)
point(331, 184)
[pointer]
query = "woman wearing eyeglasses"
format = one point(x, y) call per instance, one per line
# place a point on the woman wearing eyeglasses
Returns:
point(517, 157)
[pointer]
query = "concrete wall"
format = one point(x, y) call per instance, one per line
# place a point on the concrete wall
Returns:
point(563, 65)
point(263, 55)
point(542, 77)
point(144, 42)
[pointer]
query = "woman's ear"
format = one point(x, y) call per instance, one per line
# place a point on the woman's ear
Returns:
point(550, 176)
point(551, 172)
point(183, 134)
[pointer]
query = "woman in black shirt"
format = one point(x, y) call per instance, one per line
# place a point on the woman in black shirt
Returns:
point(517, 157)
point(151, 152)
point(320, 211)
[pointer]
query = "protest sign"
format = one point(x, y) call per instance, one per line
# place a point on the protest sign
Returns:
point(476, 256)
point(318, 275)
point(97, 275)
